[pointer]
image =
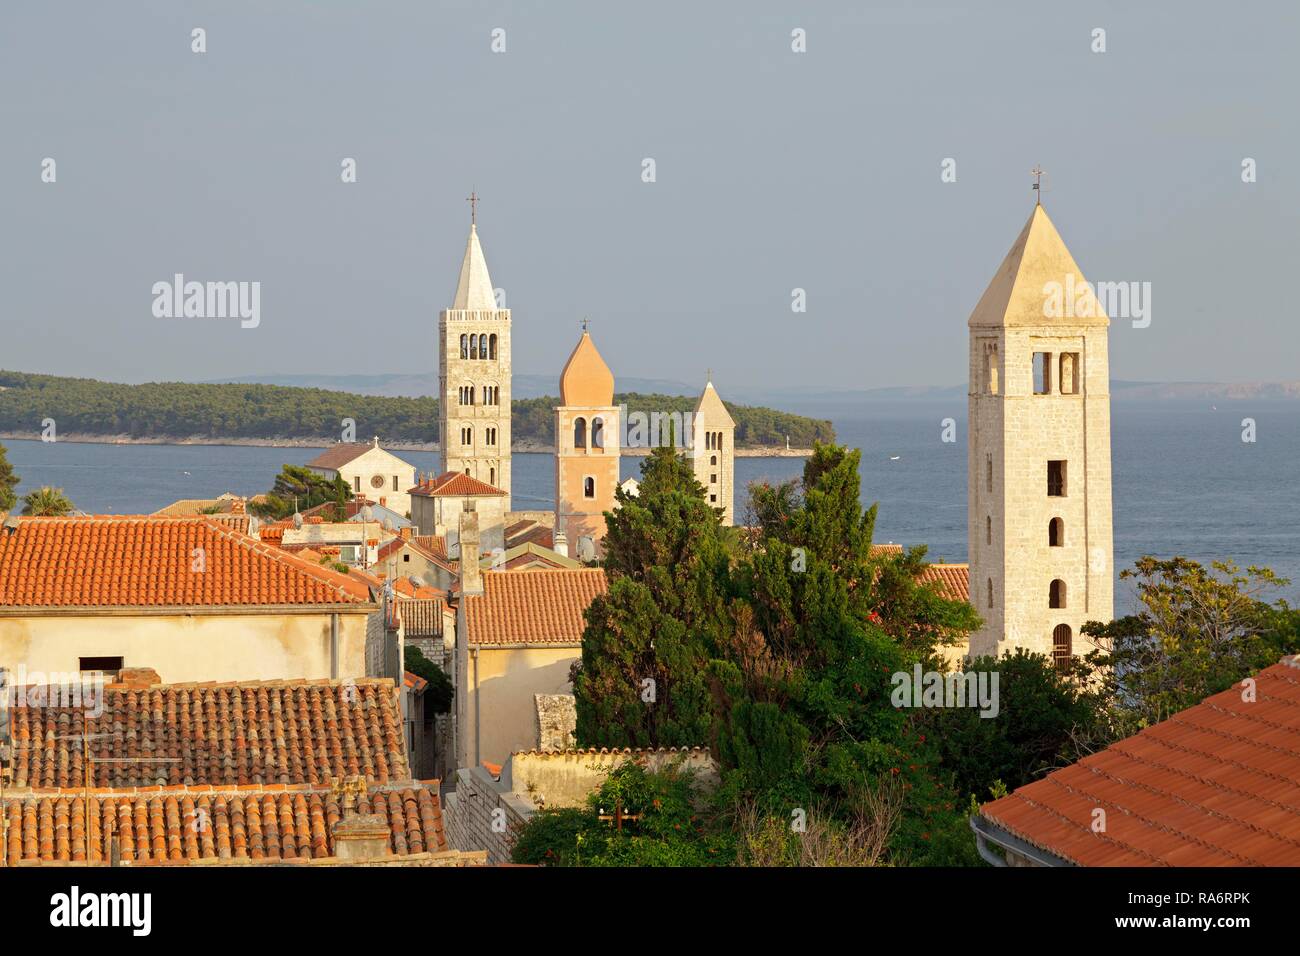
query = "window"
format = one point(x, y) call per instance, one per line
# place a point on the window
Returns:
point(991, 369)
point(579, 433)
point(1056, 479)
point(1069, 377)
point(467, 438)
point(376, 481)
point(589, 487)
point(1042, 373)
point(990, 592)
point(988, 472)
point(1062, 641)
point(491, 436)
point(473, 346)
point(492, 347)
point(395, 488)
point(597, 433)
point(464, 346)
point(1056, 594)
point(988, 530)
point(406, 558)
point(491, 395)
point(713, 479)
point(356, 483)
point(713, 459)
point(1056, 533)
point(467, 394)
point(713, 499)
point(108, 666)
point(492, 476)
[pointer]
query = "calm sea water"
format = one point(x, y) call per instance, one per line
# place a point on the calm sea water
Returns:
point(1184, 481)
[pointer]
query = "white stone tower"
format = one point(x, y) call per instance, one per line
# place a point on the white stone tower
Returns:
point(474, 375)
point(713, 451)
point(1038, 475)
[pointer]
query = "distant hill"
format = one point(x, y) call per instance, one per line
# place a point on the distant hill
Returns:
point(426, 384)
point(183, 411)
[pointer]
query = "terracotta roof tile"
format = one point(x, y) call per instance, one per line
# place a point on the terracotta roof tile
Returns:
point(423, 618)
point(454, 484)
point(147, 561)
point(534, 607)
point(188, 824)
point(336, 456)
point(261, 733)
point(1217, 784)
point(953, 580)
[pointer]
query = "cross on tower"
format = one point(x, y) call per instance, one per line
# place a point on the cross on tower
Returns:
point(472, 199)
point(1037, 173)
point(584, 323)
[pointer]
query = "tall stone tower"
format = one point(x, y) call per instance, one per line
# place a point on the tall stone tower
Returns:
point(1038, 473)
point(713, 449)
point(586, 448)
point(474, 376)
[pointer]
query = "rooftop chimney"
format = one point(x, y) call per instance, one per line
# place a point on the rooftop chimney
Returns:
point(471, 579)
point(138, 678)
point(560, 542)
point(361, 837)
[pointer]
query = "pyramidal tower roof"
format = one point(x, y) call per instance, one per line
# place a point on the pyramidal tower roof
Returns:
point(1038, 284)
point(586, 381)
point(474, 290)
point(711, 408)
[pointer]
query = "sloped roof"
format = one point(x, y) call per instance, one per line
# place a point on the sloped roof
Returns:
point(422, 616)
point(1016, 295)
point(454, 484)
point(474, 287)
point(527, 530)
point(532, 607)
point(1217, 784)
point(710, 408)
point(586, 381)
point(953, 580)
point(220, 734)
point(336, 456)
point(145, 561)
point(179, 825)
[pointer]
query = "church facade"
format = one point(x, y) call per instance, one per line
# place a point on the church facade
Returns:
point(1039, 469)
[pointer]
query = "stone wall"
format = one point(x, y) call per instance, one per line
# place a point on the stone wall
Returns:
point(557, 720)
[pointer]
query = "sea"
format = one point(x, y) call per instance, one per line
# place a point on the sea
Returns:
point(1185, 482)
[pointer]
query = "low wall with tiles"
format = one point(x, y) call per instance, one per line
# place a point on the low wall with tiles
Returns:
point(481, 814)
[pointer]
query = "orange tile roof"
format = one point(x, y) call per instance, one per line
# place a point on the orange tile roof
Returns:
point(338, 455)
point(953, 580)
point(888, 548)
point(1217, 784)
point(423, 618)
point(145, 561)
point(261, 732)
point(536, 607)
point(183, 824)
point(454, 484)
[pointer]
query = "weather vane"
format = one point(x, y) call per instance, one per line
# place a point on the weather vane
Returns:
point(472, 199)
point(1037, 173)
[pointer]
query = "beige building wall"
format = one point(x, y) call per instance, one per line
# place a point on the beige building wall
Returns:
point(496, 710)
point(380, 476)
point(190, 647)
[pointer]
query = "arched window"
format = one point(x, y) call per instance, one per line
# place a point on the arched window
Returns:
point(579, 433)
point(589, 487)
point(1056, 594)
point(988, 472)
point(597, 433)
point(1062, 646)
point(492, 476)
point(492, 347)
point(713, 459)
point(990, 592)
point(992, 374)
point(988, 530)
point(464, 346)
point(1056, 533)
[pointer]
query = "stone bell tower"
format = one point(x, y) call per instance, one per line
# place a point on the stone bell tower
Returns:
point(1038, 471)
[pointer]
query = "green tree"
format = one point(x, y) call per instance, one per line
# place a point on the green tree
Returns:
point(47, 502)
point(8, 482)
point(299, 487)
point(440, 692)
point(1200, 630)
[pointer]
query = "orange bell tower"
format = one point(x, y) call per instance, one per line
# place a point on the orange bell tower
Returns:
point(586, 449)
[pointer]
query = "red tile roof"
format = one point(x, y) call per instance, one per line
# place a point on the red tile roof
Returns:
point(525, 531)
point(423, 618)
point(953, 580)
point(261, 732)
point(184, 824)
point(146, 561)
point(336, 456)
point(1217, 784)
point(534, 607)
point(454, 484)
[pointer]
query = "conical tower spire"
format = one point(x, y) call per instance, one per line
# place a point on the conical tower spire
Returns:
point(474, 290)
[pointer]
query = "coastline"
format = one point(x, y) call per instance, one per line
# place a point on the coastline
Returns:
point(395, 447)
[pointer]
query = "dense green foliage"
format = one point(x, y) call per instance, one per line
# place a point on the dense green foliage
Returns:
point(47, 502)
point(8, 482)
point(181, 410)
point(776, 654)
point(300, 488)
point(438, 695)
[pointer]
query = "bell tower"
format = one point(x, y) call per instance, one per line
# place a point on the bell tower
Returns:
point(474, 374)
point(1038, 469)
point(586, 449)
point(713, 449)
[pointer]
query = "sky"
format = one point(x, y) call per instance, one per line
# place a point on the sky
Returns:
point(773, 171)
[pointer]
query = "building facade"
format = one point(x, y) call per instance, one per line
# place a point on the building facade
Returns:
point(587, 450)
point(1039, 476)
point(474, 376)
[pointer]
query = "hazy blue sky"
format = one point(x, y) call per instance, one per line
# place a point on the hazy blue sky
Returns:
point(775, 170)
